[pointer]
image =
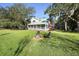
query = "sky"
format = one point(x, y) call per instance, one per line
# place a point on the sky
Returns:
point(39, 8)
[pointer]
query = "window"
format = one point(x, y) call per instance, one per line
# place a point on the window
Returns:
point(33, 20)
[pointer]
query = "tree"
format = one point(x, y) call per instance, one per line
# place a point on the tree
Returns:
point(64, 10)
point(17, 13)
point(20, 11)
point(72, 25)
point(2, 12)
point(76, 16)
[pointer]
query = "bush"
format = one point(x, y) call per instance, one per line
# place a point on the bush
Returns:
point(11, 25)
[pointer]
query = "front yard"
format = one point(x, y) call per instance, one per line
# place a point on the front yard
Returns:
point(19, 42)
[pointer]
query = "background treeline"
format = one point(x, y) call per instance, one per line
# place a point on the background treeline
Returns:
point(13, 17)
point(65, 15)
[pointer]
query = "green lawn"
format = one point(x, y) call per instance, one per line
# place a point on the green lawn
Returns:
point(18, 42)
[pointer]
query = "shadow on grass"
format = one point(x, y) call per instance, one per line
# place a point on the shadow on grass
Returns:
point(69, 40)
point(21, 45)
point(70, 45)
point(64, 43)
point(5, 34)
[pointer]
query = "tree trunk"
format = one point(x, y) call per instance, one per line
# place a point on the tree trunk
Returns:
point(65, 25)
point(78, 25)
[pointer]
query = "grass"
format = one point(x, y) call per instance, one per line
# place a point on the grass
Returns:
point(19, 42)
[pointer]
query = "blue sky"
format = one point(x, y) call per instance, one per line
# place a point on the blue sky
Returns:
point(39, 7)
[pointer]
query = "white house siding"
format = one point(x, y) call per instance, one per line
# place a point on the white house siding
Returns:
point(38, 26)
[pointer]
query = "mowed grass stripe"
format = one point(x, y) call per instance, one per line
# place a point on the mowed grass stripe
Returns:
point(9, 42)
point(60, 43)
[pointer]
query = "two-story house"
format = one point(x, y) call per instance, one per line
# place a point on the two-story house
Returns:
point(38, 24)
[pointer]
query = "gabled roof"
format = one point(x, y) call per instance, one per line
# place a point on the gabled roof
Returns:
point(38, 21)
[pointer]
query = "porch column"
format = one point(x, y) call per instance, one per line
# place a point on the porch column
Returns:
point(30, 26)
point(45, 26)
point(36, 27)
point(33, 27)
point(40, 26)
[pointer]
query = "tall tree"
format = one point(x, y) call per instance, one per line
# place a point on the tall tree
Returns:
point(17, 14)
point(76, 15)
point(2, 12)
point(20, 11)
point(64, 9)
